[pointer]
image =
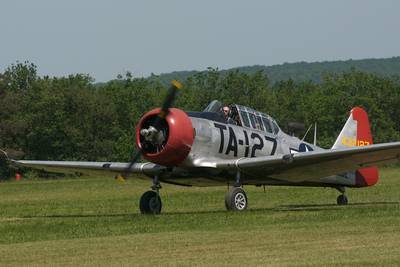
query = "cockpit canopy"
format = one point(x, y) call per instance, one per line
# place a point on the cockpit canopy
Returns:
point(246, 117)
point(214, 106)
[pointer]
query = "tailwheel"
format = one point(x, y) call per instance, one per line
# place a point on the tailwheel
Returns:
point(236, 199)
point(150, 203)
point(342, 200)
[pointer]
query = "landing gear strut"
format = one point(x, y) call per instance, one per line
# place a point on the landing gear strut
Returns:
point(150, 202)
point(342, 199)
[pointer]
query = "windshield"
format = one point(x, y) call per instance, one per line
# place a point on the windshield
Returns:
point(214, 106)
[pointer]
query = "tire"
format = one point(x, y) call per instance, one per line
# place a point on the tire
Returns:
point(342, 200)
point(236, 199)
point(150, 203)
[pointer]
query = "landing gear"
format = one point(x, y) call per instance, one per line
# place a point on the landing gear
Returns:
point(342, 199)
point(150, 202)
point(236, 199)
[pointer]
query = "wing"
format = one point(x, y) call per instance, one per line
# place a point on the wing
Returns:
point(93, 168)
point(311, 166)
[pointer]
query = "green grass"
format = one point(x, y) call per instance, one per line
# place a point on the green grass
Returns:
point(97, 222)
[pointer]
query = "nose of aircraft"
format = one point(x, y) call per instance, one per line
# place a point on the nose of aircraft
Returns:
point(169, 143)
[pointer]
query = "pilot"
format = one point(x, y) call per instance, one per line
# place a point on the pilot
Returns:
point(227, 115)
point(226, 111)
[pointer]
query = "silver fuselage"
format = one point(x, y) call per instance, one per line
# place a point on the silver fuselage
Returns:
point(217, 141)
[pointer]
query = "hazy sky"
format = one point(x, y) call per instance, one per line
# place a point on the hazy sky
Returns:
point(104, 38)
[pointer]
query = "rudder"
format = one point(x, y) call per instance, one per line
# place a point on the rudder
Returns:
point(357, 132)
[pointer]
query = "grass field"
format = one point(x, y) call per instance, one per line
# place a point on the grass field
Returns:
point(97, 222)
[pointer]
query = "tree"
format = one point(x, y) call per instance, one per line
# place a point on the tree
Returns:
point(20, 76)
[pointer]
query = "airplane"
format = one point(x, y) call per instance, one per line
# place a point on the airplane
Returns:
point(243, 147)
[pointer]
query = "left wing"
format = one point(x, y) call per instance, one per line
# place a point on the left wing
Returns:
point(93, 168)
point(312, 166)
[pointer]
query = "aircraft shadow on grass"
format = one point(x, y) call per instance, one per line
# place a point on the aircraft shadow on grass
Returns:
point(282, 208)
point(320, 207)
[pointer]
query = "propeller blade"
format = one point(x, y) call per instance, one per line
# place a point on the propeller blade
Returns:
point(169, 100)
point(120, 178)
point(135, 158)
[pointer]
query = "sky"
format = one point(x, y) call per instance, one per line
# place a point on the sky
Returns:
point(107, 38)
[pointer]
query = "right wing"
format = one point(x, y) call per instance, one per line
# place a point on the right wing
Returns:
point(93, 168)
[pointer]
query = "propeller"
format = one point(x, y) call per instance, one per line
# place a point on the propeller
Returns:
point(153, 133)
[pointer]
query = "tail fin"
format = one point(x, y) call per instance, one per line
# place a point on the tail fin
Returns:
point(357, 132)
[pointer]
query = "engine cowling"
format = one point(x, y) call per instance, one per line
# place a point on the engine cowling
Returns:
point(177, 137)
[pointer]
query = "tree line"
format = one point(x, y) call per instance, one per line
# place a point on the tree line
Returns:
point(71, 118)
point(304, 71)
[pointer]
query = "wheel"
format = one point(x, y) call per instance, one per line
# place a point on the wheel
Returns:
point(236, 199)
point(342, 200)
point(150, 203)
